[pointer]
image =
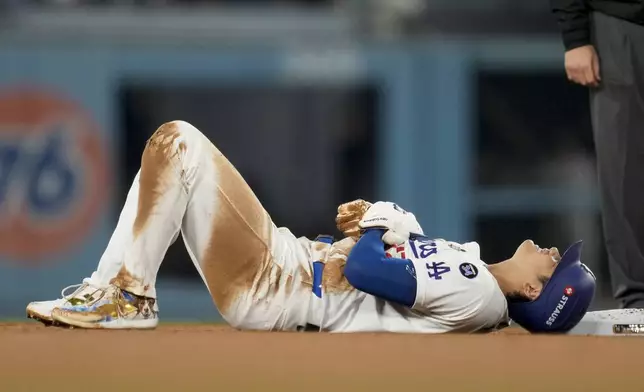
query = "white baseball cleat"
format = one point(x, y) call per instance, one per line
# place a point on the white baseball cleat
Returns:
point(111, 308)
point(82, 293)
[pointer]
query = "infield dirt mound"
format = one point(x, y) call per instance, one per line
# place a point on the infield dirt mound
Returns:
point(216, 358)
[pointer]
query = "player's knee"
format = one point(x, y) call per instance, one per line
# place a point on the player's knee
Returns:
point(172, 139)
point(185, 130)
point(177, 129)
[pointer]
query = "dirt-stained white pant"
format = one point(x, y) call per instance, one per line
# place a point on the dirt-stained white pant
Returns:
point(259, 275)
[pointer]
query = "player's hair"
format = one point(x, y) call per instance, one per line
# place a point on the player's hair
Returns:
point(517, 296)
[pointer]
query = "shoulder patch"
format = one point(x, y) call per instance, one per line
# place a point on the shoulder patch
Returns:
point(468, 270)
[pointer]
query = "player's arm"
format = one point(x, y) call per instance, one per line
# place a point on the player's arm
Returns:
point(368, 269)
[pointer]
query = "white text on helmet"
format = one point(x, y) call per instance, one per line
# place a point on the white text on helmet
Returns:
point(557, 311)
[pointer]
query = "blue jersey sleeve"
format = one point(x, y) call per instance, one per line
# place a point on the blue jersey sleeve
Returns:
point(368, 269)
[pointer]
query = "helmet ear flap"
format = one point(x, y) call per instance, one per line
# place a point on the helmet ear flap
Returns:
point(564, 300)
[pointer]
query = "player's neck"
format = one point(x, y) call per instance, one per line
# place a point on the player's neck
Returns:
point(506, 274)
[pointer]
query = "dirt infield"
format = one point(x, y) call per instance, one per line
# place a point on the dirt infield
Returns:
point(216, 358)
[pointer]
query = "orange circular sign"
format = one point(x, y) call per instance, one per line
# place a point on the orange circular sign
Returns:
point(54, 175)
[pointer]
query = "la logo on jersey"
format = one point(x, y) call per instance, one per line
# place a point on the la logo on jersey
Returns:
point(53, 175)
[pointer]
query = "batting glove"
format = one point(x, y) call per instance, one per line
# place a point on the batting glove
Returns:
point(399, 223)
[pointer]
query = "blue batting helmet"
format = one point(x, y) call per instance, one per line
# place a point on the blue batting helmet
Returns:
point(564, 300)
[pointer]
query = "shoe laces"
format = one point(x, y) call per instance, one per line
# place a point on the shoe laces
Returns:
point(78, 288)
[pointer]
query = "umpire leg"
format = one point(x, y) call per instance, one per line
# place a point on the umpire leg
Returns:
point(617, 109)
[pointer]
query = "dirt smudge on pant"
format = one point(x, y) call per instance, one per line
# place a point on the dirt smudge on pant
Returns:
point(128, 282)
point(156, 165)
point(305, 276)
point(239, 247)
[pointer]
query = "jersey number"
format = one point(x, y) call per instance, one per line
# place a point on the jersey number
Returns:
point(436, 270)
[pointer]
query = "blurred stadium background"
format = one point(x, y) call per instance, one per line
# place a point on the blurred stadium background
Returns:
point(458, 110)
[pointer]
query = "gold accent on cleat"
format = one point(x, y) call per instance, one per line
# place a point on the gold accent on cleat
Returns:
point(113, 306)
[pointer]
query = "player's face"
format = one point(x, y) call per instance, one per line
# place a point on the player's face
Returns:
point(538, 263)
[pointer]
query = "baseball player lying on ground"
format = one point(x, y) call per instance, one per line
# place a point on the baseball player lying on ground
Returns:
point(383, 276)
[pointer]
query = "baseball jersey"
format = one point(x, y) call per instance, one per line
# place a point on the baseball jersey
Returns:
point(455, 293)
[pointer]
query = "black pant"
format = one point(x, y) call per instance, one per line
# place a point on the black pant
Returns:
point(617, 109)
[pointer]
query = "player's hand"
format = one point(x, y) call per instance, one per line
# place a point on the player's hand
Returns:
point(582, 66)
point(349, 215)
point(399, 224)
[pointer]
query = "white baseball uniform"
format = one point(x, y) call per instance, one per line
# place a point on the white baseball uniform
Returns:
point(455, 292)
point(262, 277)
